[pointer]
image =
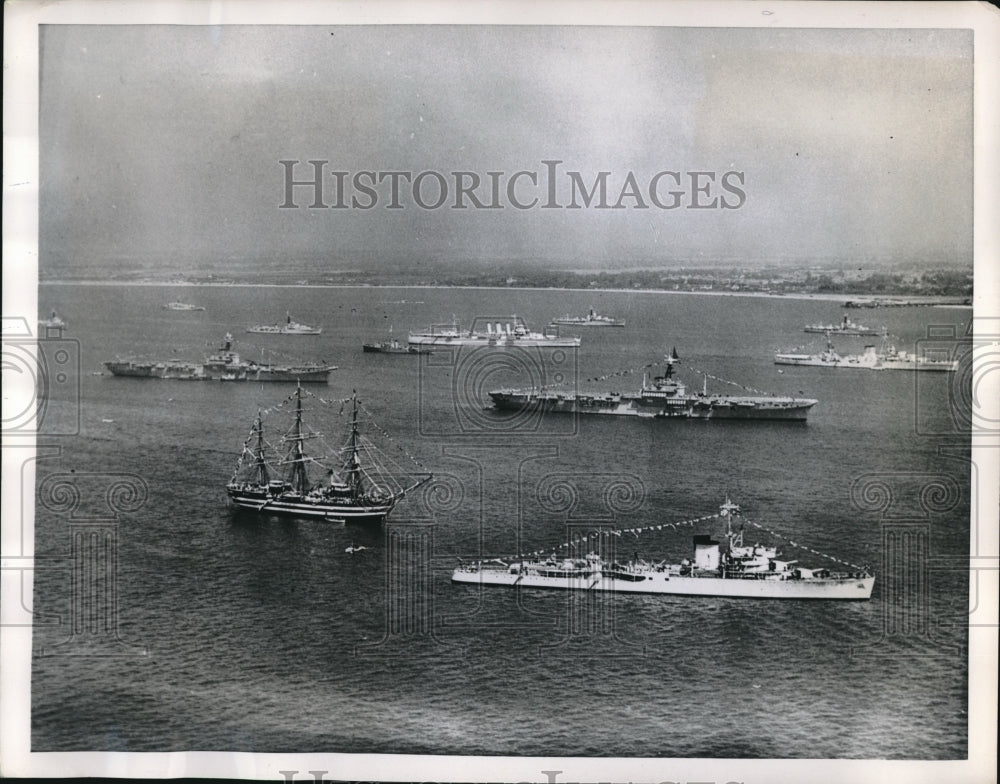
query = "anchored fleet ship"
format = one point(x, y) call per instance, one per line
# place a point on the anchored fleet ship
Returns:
point(224, 365)
point(288, 328)
point(662, 398)
point(495, 335)
point(592, 319)
point(731, 569)
point(355, 487)
point(885, 357)
point(845, 327)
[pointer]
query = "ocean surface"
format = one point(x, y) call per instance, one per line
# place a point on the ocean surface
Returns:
point(218, 631)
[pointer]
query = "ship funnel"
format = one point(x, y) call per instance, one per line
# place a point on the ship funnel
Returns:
point(706, 552)
point(489, 328)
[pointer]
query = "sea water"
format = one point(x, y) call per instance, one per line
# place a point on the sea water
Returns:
point(244, 633)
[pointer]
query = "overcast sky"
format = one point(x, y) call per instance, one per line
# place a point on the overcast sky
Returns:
point(161, 144)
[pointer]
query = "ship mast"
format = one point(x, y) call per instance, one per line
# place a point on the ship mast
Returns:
point(262, 475)
point(299, 479)
point(354, 469)
point(729, 510)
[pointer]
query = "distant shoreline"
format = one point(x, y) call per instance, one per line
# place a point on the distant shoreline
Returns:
point(888, 300)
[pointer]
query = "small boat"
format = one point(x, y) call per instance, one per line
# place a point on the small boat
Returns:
point(288, 328)
point(359, 484)
point(182, 306)
point(53, 322)
point(730, 569)
point(592, 319)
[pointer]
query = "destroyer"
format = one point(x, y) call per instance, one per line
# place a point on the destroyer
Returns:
point(288, 328)
point(730, 568)
point(663, 397)
point(592, 319)
point(224, 365)
point(393, 346)
point(885, 357)
point(495, 335)
point(276, 481)
point(845, 327)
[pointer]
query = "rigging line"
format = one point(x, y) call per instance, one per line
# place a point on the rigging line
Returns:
point(802, 547)
point(398, 445)
point(733, 383)
point(378, 476)
point(620, 531)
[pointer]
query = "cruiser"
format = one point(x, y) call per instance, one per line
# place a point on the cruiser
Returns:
point(730, 568)
point(354, 489)
point(885, 357)
point(664, 397)
point(495, 335)
point(288, 328)
point(592, 319)
point(224, 365)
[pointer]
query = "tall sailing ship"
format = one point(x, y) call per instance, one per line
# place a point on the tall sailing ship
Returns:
point(730, 568)
point(275, 479)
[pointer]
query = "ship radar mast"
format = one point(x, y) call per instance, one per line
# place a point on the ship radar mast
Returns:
point(729, 510)
point(668, 374)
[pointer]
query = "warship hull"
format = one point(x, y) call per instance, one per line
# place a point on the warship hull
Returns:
point(861, 362)
point(691, 407)
point(186, 371)
point(177, 371)
point(494, 340)
point(295, 505)
point(846, 587)
point(868, 361)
